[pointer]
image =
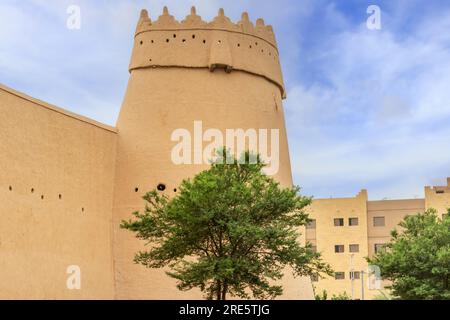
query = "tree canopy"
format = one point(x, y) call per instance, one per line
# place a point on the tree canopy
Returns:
point(417, 260)
point(230, 230)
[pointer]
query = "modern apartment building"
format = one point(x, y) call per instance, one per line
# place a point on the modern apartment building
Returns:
point(347, 230)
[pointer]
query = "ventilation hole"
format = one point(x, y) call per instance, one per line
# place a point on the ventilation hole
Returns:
point(82, 209)
point(167, 40)
point(250, 46)
point(193, 36)
point(256, 43)
point(184, 40)
point(152, 41)
point(32, 190)
point(141, 42)
point(60, 196)
point(204, 41)
point(136, 189)
point(220, 41)
point(161, 187)
point(150, 60)
point(174, 35)
point(10, 188)
point(175, 190)
point(42, 197)
point(239, 44)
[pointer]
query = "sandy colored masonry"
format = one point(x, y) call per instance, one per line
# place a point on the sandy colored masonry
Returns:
point(66, 181)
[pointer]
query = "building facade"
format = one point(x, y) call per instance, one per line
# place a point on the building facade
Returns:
point(67, 182)
point(347, 230)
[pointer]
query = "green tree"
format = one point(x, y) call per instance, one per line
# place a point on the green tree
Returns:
point(341, 296)
point(321, 296)
point(231, 230)
point(417, 260)
point(324, 296)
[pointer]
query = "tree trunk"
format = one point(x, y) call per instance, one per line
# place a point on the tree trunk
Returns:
point(219, 290)
point(224, 291)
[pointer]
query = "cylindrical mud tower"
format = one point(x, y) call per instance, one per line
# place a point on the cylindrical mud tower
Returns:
point(223, 74)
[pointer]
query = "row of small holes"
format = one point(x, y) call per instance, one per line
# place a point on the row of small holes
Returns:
point(168, 40)
point(32, 191)
point(204, 41)
point(160, 187)
point(256, 44)
point(42, 196)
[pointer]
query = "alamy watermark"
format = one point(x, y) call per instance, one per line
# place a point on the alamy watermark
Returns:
point(374, 277)
point(191, 149)
point(74, 20)
point(374, 20)
point(73, 281)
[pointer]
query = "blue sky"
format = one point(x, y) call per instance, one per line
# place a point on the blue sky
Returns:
point(365, 109)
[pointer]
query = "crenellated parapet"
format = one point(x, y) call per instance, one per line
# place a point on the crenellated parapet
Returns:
point(194, 21)
point(195, 43)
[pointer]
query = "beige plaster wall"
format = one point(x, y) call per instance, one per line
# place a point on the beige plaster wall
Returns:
point(51, 153)
point(438, 198)
point(324, 211)
point(393, 211)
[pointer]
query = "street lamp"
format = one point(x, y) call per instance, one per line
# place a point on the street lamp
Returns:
point(352, 276)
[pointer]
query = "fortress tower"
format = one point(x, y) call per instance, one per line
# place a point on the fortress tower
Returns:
point(224, 74)
point(67, 181)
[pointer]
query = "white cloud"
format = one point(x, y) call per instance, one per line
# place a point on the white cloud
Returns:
point(377, 116)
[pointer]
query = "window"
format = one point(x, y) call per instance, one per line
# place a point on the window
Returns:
point(353, 221)
point(378, 222)
point(339, 248)
point(338, 222)
point(311, 224)
point(355, 275)
point(378, 247)
point(354, 248)
point(314, 277)
point(440, 191)
point(339, 275)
